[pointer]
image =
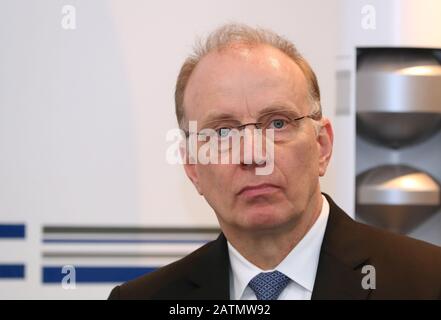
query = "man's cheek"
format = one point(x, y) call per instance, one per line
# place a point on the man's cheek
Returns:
point(214, 178)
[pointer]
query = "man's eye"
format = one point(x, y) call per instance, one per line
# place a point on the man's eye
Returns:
point(277, 124)
point(223, 132)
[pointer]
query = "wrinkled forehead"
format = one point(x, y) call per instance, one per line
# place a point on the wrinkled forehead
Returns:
point(244, 81)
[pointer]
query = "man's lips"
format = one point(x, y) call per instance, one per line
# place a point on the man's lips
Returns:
point(258, 190)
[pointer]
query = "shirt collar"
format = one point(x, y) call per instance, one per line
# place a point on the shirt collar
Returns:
point(300, 265)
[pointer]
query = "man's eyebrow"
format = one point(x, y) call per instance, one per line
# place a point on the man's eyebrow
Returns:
point(216, 116)
point(277, 108)
point(222, 116)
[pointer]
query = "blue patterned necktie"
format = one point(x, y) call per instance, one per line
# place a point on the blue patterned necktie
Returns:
point(268, 285)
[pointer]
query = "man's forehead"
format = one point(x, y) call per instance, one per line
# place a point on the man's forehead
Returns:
point(257, 55)
point(264, 76)
point(257, 58)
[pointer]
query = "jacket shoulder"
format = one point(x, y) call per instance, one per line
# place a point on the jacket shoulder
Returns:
point(398, 248)
point(404, 266)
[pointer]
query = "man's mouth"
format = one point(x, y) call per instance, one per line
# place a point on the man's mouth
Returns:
point(258, 190)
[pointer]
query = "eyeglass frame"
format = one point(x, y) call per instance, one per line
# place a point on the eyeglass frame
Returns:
point(316, 115)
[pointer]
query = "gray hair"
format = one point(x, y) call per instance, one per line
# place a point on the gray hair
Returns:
point(229, 35)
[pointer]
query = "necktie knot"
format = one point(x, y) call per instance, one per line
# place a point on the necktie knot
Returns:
point(268, 285)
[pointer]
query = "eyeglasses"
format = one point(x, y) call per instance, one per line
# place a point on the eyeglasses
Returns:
point(282, 123)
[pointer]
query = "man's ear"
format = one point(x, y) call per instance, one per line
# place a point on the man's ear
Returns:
point(325, 140)
point(190, 167)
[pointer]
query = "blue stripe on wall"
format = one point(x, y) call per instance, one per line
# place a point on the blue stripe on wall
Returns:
point(12, 231)
point(123, 241)
point(95, 274)
point(12, 271)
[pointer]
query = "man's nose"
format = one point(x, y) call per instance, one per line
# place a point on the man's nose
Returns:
point(253, 147)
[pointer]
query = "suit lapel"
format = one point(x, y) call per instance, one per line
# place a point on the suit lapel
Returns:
point(337, 281)
point(210, 275)
point(341, 259)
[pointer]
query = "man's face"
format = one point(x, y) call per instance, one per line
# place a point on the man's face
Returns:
point(241, 82)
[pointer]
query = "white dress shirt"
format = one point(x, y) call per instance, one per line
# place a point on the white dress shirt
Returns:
point(300, 265)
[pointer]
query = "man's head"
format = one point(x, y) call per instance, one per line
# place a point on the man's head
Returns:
point(236, 76)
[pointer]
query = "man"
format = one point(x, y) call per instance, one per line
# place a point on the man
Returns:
point(281, 237)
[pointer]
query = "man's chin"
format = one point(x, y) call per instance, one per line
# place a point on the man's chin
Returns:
point(261, 220)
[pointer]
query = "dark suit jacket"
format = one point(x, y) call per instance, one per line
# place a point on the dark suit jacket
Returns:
point(405, 268)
